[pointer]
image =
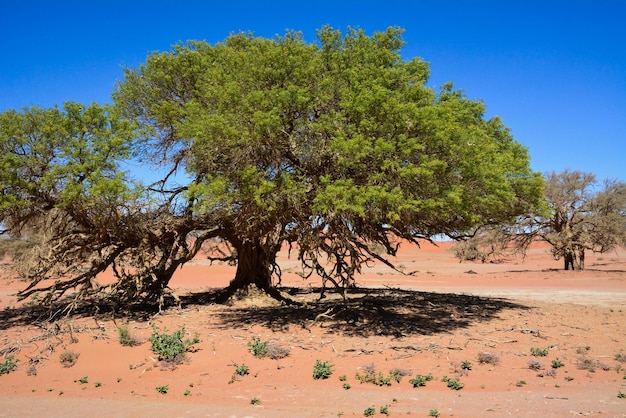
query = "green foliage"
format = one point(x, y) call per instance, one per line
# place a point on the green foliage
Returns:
point(83, 380)
point(539, 352)
point(466, 365)
point(163, 389)
point(258, 348)
point(420, 380)
point(322, 370)
point(384, 409)
point(255, 401)
point(453, 384)
point(621, 395)
point(346, 386)
point(276, 132)
point(556, 363)
point(8, 366)
point(433, 413)
point(170, 347)
point(371, 376)
point(369, 411)
point(241, 369)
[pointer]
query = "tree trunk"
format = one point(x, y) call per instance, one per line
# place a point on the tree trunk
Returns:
point(253, 267)
point(569, 260)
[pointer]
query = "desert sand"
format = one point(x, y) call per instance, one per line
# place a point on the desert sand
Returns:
point(444, 317)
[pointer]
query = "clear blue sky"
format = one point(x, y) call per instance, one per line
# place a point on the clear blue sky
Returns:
point(554, 71)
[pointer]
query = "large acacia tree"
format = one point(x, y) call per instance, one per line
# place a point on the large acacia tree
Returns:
point(331, 147)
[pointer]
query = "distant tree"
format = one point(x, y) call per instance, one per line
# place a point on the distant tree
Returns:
point(337, 146)
point(578, 216)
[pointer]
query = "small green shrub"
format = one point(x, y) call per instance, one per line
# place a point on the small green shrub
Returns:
point(83, 380)
point(343, 378)
point(433, 413)
point(520, 383)
point(241, 369)
point(369, 412)
point(257, 347)
point(346, 386)
point(97, 384)
point(187, 392)
point(384, 409)
point(255, 401)
point(68, 358)
point(8, 366)
point(398, 374)
point(453, 384)
point(163, 389)
point(125, 337)
point(370, 376)
point(421, 380)
point(556, 363)
point(171, 347)
point(539, 352)
point(466, 365)
point(322, 370)
point(621, 395)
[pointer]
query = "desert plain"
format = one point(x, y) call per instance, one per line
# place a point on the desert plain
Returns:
point(521, 336)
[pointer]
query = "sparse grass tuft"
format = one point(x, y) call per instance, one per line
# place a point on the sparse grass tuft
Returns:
point(125, 337)
point(488, 358)
point(276, 352)
point(466, 365)
point(68, 358)
point(534, 365)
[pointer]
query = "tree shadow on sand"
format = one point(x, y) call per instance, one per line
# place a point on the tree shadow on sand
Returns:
point(369, 312)
point(365, 312)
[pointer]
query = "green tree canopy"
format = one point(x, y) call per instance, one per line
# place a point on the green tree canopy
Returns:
point(330, 146)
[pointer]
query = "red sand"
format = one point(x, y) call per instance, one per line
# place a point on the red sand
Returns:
point(522, 304)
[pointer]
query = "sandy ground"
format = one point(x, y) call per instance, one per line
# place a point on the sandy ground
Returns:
point(430, 322)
